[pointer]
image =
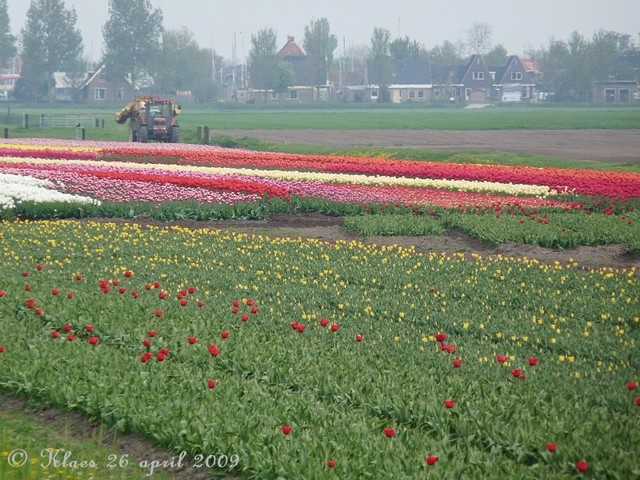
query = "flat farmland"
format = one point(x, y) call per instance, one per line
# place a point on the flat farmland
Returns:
point(618, 146)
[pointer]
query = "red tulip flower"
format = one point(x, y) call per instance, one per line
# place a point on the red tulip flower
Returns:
point(582, 466)
point(192, 290)
point(300, 328)
point(67, 328)
point(192, 340)
point(55, 334)
point(27, 288)
point(134, 294)
point(69, 296)
point(457, 363)
point(146, 342)
point(389, 432)
point(331, 463)
point(93, 340)
point(151, 333)
point(55, 291)
point(78, 277)
point(286, 430)
point(234, 310)
point(224, 335)
point(38, 311)
point(440, 337)
point(632, 386)
point(449, 404)
point(200, 304)
point(358, 338)
point(1, 349)
point(324, 322)
point(88, 328)
point(254, 310)
point(31, 303)
point(145, 358)
point(25, 274)
point(161, 357)
point(39, 267)
point(71, 337)
point(552, 447)
point(116, 283)
point(213, 350)
point(638, 401)
point(156, 285)
point(244, 318)
point(431, 460)
point(335, 327)
point(516, 373)
point(184, 303)
point(1, 293)
point(211, 384)
point(162, 295)
point(249, 302)
point(501, 358)
point(236, 304)
point(159, 313)
point(533, 362)
point(128, 273)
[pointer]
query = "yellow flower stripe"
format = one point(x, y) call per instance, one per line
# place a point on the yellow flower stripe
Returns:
point(51, 148)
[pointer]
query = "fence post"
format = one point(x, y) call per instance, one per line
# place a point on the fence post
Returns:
point(199, 133)
point(25, 120)
point(205, 134)
point(102, 123)
point(42, 120)
point(97, 122)
point(6, 132)
point(80, 133)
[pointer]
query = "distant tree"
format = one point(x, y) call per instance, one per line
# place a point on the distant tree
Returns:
point(554, 64)
point(603, 51)
point(444, 59)
point(496, 57)
point(318, 45)
point(382, 69)
point(184, 66)
point(479, 38)
point(8, 48)
point(50, 42)
point(407, 48)
point(266, 69)
point(132, 38)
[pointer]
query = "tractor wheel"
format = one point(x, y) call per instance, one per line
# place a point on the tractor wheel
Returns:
point(143, 135)
point(133, 135)
point(175, 135)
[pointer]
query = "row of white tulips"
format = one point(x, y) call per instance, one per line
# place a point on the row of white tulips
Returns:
point(17, 188)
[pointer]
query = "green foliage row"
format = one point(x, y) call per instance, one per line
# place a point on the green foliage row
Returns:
point(548, 228)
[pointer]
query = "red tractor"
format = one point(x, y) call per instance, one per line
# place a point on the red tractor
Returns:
point(152, 119)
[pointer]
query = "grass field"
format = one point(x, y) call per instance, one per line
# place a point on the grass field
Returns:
point(495, 118)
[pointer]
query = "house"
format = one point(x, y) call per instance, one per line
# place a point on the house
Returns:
point(8, 78)
point(305, 87)
point(410, 82)
point(616, 92)
point(96, 88)
point(512, 82)
point(473, 82)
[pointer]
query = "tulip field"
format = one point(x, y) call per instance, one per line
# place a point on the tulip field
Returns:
point(272, 357)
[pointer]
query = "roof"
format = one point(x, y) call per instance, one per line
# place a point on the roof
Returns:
point(406, 71)
point(291, 49)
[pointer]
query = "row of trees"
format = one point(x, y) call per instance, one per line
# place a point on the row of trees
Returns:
point(138, 47)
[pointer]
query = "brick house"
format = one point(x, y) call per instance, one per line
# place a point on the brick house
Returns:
point(473, 82)
point(616, 92)
point(95, 88)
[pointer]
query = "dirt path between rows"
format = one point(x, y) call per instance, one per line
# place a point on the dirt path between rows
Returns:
point(617, 146)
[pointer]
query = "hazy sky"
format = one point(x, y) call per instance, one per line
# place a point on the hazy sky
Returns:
point(518, 25)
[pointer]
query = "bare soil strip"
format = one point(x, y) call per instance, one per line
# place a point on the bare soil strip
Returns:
point(616, 146)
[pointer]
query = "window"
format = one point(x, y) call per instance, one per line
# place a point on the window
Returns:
point(100, 93)
point(412, 94)
point(420, 93)
point(293, 94)
point(610, 95)
point(374, 93)
point(624, 95)
point(516, 75)
point(467, 93)
point(478, 75)
point(120, 93)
